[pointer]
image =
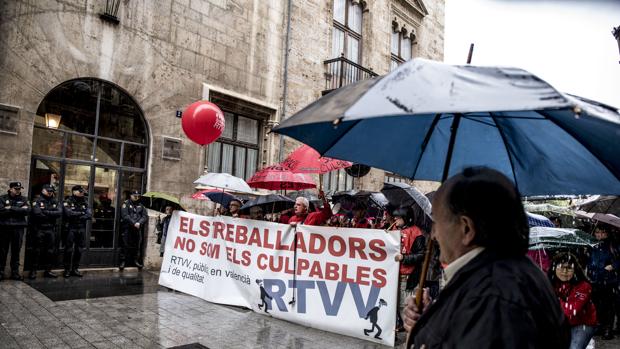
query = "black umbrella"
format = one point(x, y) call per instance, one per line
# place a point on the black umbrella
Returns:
point(270, 203)
point(374, 201)
point(602, 204)
point(402, 194)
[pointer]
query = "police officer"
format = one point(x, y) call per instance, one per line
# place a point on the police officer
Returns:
point(134, 217)
point(77, 213)
point(45, 214)
point(14, 208)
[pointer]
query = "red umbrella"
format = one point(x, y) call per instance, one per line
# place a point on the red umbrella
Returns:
point(277, 177)
point(200, 195)
point(307, 160)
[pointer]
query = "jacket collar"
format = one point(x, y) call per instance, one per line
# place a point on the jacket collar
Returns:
point(483, 258)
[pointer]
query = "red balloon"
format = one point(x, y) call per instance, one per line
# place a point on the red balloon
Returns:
point(203, 122)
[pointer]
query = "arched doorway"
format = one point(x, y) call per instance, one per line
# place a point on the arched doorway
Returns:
point(92, 133)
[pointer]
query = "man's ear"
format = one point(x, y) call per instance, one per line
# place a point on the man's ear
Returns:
point(468, 231)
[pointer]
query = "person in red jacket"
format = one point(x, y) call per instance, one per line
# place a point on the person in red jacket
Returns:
point(360, 221)
point(575, 294)
point(302, 216)
point(403, 219)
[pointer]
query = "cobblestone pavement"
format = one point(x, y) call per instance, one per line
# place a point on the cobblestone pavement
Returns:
point(28, 319)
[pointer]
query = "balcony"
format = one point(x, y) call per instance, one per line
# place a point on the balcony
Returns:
point(340, 72)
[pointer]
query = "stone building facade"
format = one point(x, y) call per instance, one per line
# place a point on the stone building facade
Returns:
point(131, 66)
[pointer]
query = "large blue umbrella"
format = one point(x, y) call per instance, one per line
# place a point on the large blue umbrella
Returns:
point(428, 120)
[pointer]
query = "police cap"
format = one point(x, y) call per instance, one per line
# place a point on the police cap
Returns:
point(49, 188)
point(16, 185)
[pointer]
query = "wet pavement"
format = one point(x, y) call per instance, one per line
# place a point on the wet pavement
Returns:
point(95, 313)
point(160, 319)
point(98, 284)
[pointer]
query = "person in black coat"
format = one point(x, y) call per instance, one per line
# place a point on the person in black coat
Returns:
point(134, 217)
point(494, 296)
point(14, 208)
point(77, 214)
point(603, 269)
point(45, 214)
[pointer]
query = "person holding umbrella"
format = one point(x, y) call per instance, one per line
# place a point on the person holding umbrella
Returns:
point(494, 297)
point(256, 213)
point(408, 233)
point(359, 219)
point(575, 295)
point(232, 210)
point(303, 216)
point(162, 229)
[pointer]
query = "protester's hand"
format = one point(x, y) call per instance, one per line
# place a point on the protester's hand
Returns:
point(137, 225)
point(398, 257)
point(293, 224)
point(609, 267)
point(411, 313)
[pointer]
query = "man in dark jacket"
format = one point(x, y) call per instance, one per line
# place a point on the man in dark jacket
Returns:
point(13, 211)
point(162, 229)
point(77, 213)
point(45, 214)
point(134, 217)
point(603, 269)
point(494, 296)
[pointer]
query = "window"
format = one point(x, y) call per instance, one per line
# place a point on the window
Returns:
point(335, 181)
point(236, 151)
point(347, 34)
point(401, 46)
point(394, 178)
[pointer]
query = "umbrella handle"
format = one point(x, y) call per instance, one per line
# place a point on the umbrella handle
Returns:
point(420, 290)
point(390, 228)
point(320, 181)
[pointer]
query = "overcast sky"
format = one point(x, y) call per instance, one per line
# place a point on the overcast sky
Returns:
point(568, 43)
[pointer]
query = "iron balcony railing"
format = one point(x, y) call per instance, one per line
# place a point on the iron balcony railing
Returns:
point(340, 72)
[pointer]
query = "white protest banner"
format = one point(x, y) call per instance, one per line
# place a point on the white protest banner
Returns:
point(335, 279)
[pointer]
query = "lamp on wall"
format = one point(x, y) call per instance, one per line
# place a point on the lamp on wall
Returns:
point(52, 120)
point(616, 33)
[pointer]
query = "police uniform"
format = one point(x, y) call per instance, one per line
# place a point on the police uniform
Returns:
point(77, 213)
point(132, 212)
point(45, 214)
point(13, 212)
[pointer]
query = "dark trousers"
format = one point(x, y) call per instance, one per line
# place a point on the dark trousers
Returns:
point(42, 248)
point(74, 242)
point(605, 302)
point(10, 238)
point(131, 245)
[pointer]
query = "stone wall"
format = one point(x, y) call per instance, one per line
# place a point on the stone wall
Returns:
point(313, 23)
point(160, 53)
point(163, 52)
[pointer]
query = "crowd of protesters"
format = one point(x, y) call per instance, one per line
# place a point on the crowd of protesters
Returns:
point(588, 297)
